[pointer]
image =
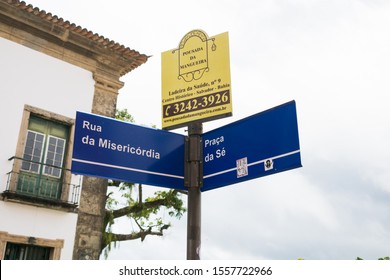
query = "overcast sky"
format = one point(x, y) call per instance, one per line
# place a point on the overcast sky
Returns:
point(332, 57)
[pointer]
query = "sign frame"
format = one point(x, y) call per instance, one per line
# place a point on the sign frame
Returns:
point(113, 149)
point(196, 84)
point(259, 145)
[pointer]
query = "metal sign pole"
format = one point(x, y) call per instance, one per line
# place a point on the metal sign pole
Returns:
point(193, 179)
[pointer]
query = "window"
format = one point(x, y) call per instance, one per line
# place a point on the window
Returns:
point(16, 251)
point(54, 156)
point(43, 158)
point(41, 165)
point(18, 247)
point(33, 151)
point(33, 154)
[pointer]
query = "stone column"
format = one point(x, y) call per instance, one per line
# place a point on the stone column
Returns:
point(89, 229)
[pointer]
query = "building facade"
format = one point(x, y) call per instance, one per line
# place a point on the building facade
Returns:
point(49, 69)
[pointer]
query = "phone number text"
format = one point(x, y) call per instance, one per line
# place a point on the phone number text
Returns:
point(195, 104)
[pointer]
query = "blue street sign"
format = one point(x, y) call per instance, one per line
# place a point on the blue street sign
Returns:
point(112, 149)
point(260, 145)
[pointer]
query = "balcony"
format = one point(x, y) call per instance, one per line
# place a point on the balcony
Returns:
point(29, 182)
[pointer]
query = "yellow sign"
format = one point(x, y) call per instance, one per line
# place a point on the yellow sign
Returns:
point(196, 80)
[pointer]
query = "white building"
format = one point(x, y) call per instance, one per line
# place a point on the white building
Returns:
point(49, 69)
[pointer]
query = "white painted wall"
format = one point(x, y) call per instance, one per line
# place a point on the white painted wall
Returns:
point(32, 78)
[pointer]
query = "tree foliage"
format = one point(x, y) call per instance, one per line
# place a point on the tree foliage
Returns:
point(380, 259)
point(143, 214)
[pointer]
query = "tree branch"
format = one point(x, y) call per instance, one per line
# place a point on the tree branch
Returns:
point(138, 235)
point(136, 208)
point(139, 193)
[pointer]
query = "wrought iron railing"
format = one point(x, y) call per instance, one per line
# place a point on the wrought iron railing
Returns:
point(37, 184)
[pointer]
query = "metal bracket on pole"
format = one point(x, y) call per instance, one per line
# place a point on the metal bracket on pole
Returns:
point(193, 180)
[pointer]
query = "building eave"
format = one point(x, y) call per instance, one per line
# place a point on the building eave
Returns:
point(74, 38)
